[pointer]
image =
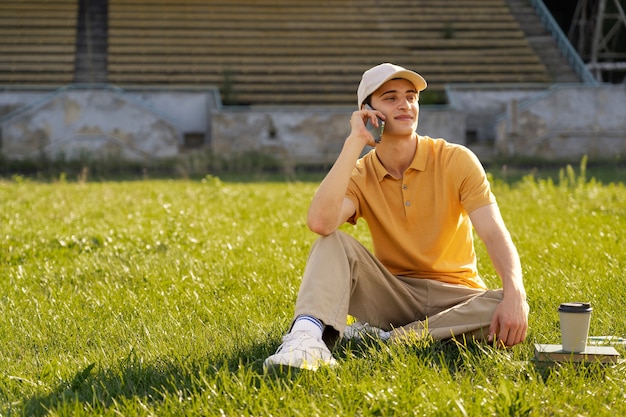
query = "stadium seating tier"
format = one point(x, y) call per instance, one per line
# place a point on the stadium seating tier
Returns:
point(273, 52)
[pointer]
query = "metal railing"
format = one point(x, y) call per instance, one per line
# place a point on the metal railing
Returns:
point(564, 45)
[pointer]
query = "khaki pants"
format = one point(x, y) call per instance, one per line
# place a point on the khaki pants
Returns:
point(342, 277)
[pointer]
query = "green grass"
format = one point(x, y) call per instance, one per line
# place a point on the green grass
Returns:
point(163, 298)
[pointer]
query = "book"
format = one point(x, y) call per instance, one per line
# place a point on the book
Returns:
point(555, 353)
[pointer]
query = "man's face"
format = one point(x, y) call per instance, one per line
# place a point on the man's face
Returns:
point(398, 100)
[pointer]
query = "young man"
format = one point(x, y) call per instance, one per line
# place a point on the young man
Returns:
point(420, 198)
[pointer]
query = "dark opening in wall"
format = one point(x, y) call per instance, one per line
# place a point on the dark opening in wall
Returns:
point(471, 137)
point(193, 140)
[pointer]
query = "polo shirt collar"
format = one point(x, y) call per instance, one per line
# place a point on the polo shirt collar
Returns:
point(418, 163)
point(421, 155)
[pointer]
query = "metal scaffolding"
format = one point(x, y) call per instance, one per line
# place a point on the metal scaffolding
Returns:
point(598, 32)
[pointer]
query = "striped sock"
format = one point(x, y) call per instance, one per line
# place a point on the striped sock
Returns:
point(308, 324)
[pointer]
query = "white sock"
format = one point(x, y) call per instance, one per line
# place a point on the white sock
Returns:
point(308, 324)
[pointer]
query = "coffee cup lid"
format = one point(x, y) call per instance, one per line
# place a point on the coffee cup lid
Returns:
point(575, 307)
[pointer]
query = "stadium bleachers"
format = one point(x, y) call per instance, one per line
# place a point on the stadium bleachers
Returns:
point(272, 52)
point(302, 52)
point(37, 41)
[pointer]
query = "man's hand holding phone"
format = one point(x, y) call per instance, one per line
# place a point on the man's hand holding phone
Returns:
point(376, 131)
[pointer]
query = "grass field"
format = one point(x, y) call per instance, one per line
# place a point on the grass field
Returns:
point(163, 298)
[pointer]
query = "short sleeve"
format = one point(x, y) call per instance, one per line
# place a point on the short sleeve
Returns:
point(353, 194)
point(473, 185)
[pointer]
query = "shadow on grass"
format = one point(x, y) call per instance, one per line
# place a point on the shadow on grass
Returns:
point(165, 379)
point(133, 378)
point(152, 382)
point(454, 355)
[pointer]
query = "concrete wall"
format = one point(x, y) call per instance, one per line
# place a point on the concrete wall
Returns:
point(483, 104)
point(77, 122)
point(152, 123)
point(188, 109)
point(301, 135)
point(563, 122)
point(14, 99)
point(442, 122)
point(566, 122)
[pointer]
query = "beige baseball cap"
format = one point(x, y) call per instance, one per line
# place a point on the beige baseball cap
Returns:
point(376, 76)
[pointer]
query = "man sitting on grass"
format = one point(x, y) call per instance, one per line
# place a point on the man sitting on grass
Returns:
point(420, 198)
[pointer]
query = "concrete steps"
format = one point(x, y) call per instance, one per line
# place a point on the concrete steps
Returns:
point(542, 42)
point(91, 42)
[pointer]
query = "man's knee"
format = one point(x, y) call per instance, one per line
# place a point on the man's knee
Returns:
point(335, 240)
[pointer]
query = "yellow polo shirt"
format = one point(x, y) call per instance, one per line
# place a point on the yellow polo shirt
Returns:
point(419, 224)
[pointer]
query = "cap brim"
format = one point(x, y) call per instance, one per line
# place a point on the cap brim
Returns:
point(417, 80)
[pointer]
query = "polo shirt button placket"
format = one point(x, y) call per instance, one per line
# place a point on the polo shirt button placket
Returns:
point(407, 203)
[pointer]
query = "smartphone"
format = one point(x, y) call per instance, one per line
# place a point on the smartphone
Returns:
point(377, 132)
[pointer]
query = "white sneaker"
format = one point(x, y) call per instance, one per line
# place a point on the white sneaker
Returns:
point(361, 331)
point(300, 350)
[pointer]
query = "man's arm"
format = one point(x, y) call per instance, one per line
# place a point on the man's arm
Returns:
point(330, 208)
point(510, 320)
